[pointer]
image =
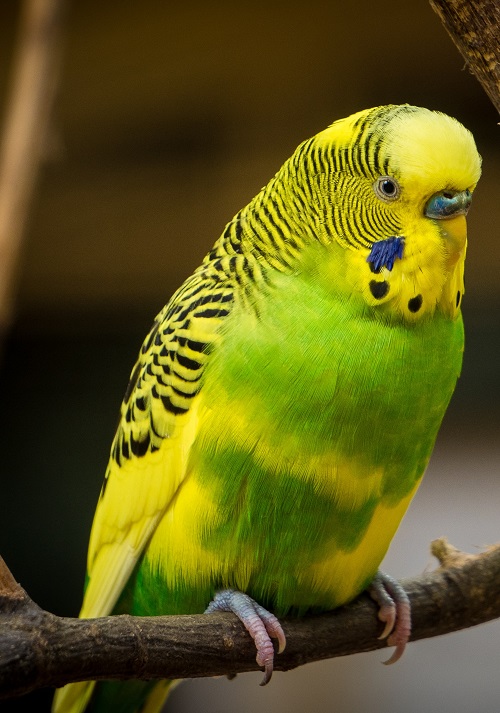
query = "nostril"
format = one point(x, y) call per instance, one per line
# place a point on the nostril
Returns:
point(448, 204)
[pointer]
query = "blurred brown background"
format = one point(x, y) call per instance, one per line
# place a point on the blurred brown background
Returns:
point(169, 118)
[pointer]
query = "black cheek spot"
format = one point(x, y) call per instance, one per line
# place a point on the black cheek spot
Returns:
point(415, 303)
point(458, 298)
point(379, 289)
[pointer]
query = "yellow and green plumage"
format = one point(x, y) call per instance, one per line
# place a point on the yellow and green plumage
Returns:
point(286, 402)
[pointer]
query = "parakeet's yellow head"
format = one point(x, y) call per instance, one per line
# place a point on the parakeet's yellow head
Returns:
point(392, 187)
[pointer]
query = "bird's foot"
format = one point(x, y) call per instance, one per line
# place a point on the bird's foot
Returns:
point(394, 611)
point(260, 624)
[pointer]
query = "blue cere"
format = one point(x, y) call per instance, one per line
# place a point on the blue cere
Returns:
point(384, 253)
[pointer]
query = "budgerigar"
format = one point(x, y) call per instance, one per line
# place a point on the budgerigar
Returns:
point(285, 404)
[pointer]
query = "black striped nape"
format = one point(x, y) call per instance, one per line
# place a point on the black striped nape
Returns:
point(311, 198)
point(363, 155)
point(339, 178)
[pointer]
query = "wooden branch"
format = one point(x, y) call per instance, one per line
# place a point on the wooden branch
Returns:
point(35, 75)
point(39, 649)
point(473, 25)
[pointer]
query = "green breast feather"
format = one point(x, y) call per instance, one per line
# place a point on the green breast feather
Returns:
point(329, 414)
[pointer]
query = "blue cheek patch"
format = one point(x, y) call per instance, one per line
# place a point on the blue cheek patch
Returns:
point(384, 253)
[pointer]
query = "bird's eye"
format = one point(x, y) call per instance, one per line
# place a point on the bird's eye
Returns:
point(386, 188)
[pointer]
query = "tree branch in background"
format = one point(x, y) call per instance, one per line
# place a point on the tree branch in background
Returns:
point(39, 649)
point(473, 27)
point(34, 81)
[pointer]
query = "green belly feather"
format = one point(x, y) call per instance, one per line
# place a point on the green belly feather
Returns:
point(328, 414)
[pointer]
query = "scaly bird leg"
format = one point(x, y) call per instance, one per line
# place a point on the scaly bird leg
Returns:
point(395, 611)
point(259, 623)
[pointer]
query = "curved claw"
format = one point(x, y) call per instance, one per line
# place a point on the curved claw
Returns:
point(394, 611)
point(260, 624)
point(387, 614)
point(273, 626)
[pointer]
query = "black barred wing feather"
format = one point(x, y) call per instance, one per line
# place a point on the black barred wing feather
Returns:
point(169, 370)
point(158, 424)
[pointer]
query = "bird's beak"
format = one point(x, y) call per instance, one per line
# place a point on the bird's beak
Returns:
point(450, 208)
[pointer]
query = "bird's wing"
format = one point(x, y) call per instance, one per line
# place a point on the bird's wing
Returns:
point(158, 424)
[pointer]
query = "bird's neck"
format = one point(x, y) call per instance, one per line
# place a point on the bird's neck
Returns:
point(273, 228)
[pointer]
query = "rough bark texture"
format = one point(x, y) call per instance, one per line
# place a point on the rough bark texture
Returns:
point(473, 25)
point(39, 649)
